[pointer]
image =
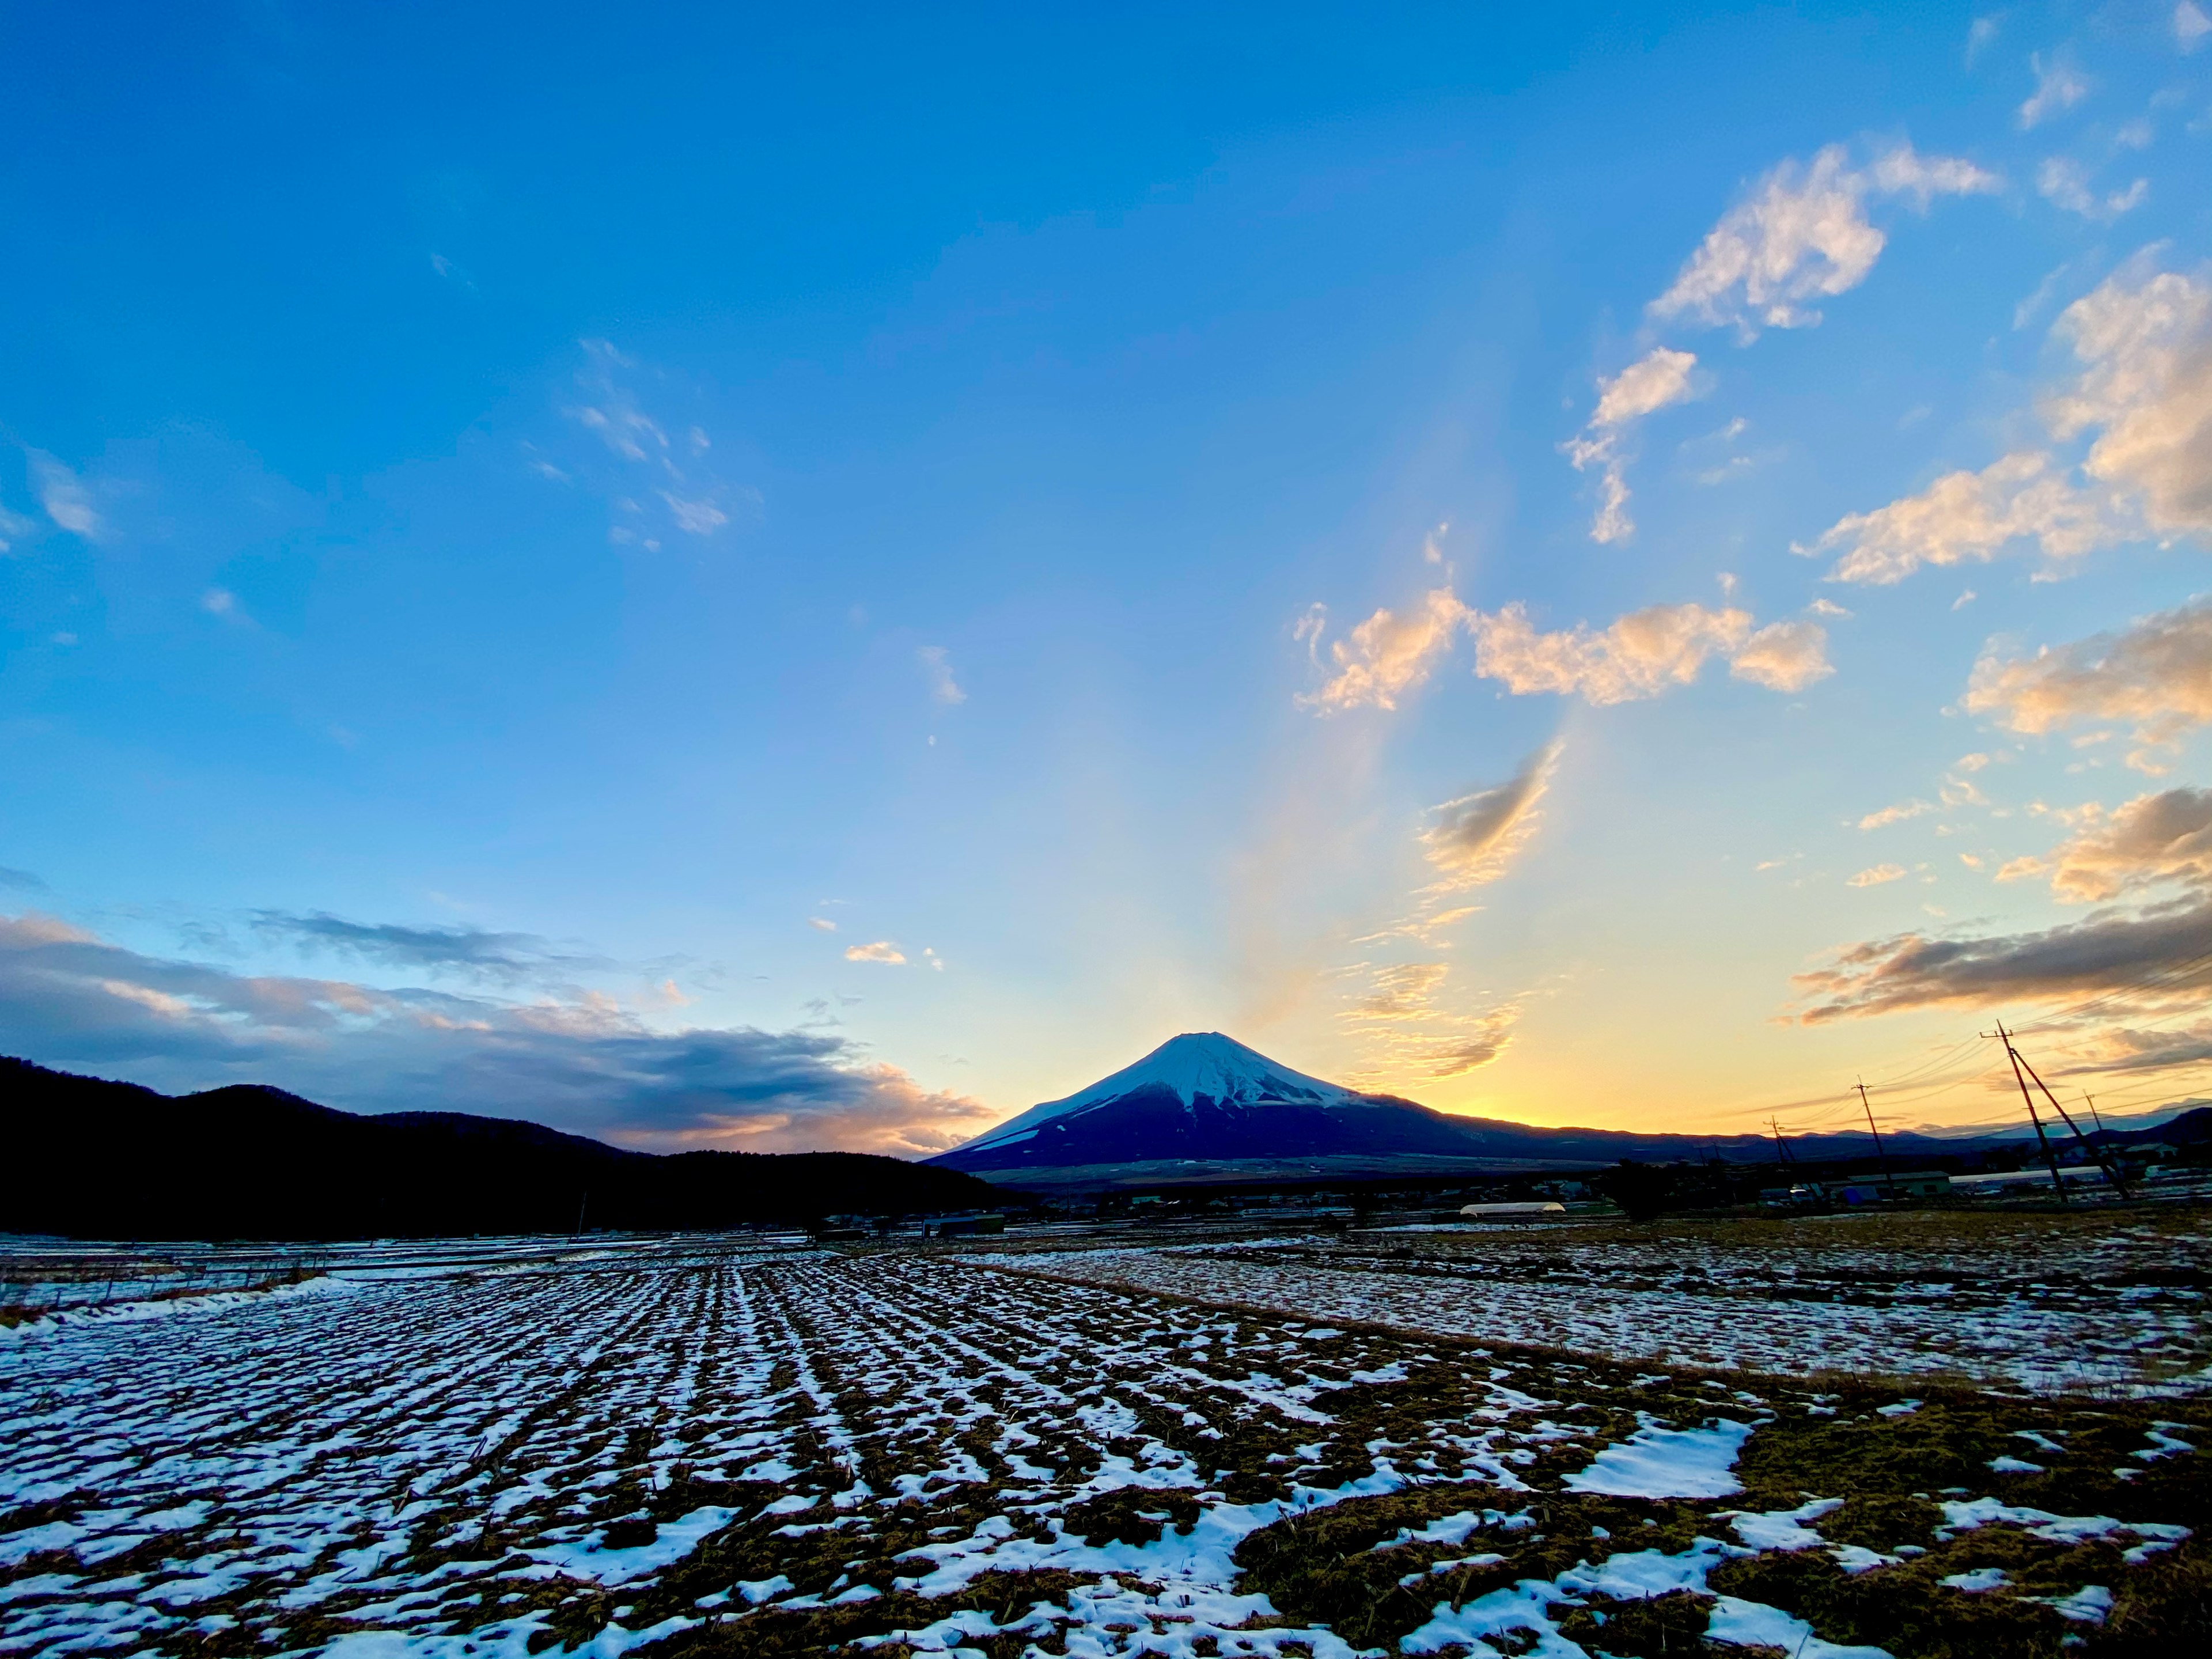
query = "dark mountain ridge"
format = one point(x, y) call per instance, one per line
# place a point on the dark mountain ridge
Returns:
point(97, 1159)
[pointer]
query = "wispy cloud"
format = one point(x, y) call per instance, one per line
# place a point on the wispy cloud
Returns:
point(2064, 183)
point(2058, 87)
point(1660, 378)
point(1803, 235)
point(1389, 655)
point(1474, 839)
point(649, 464)
point(1897, 814)
point(472, 953)
point(66, 500)
point(936, 669)
point(1878, 875)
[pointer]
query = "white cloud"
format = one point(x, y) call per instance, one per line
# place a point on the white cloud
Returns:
point(1389, 655)
point(2190, 25)
point(1828, 608)
point(1877, 875)
point(2156, 674)
point(2059, 86)
point(1656, 379)
point(1637, 656)
point(2152, 839)
point(1475, 838)
point(882, 951)
point(1642, 654)
point(1889, 814)
point(2024, 497)
point(2145, 344)
point(694, 518)
point(1982, 35)
point(2064, 182)
point(1803, 235)
point(1786, 656)
point(12, 526)
point(937, 668)
point(822, 924)
point(64, 497)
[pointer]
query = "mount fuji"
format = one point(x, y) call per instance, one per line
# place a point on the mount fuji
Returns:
point(1204, 1097)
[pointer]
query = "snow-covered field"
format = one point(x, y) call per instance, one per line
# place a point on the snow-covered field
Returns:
point(2062, 1305)
point(737, 1451)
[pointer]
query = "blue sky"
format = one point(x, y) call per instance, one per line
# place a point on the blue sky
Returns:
point(738, 579)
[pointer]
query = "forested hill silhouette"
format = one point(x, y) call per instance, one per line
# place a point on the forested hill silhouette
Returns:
point(96, 1159)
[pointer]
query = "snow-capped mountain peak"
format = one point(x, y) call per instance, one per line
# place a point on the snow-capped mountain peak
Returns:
point(1195, 1064)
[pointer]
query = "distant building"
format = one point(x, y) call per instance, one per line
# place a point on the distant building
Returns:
point(966, 1226)
point(1877, 1189)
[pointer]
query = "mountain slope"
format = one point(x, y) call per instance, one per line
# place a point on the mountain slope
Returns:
point(95, 1159)
point(1205, 1096)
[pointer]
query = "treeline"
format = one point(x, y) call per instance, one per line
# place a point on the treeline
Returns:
point(96, 1159)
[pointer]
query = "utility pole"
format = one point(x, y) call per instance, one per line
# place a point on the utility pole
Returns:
point(1887, 1179)
point(2109, 1165)
point(2093, 1115)
point(2050, 1159)
point(1781, 1146)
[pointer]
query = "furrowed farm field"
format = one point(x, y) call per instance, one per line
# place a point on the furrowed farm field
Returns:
point(2039, 1300)
point(729, 1452)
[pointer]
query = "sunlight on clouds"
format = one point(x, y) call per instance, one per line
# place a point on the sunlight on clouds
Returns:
point(2156, 674)
point(882, 951)
point(2145, 344)
point(1645, 653)
point(1877, 875)
point(1476, 837)
point(1662, 377)
point(1897, 814)
point(2144, 340)
point(1637, 656)
point(1803, 235)
point(1784, 657)
point(2152, 839)
point(1970, 516)
point(1388, 655)
point(2154, 961)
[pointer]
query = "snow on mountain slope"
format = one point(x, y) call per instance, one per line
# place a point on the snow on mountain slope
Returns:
point(1194, 1064)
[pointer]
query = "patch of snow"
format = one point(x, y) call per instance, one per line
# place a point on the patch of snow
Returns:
point(1659, 1462)
point(1782, 1529)
point(1980, 1579)
point(1754, 1625)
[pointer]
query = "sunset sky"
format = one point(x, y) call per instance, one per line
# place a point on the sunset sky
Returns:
point(782, 578)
